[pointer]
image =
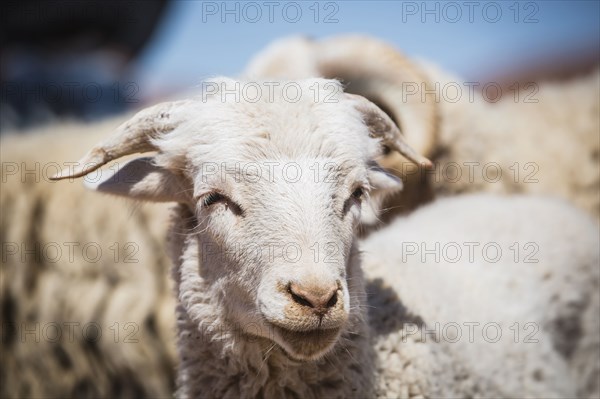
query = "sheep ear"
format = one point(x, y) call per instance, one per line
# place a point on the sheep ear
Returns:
point(142, 179)
point(382, 184)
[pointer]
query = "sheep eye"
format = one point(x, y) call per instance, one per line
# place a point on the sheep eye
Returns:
point(356, 196)
point(358, 193)
point(212, 198)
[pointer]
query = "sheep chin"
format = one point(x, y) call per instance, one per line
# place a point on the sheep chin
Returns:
point(306, 346)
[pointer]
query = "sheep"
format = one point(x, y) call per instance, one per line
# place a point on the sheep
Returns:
point(254, 320)
point(75, 322)
point(546, 142)
point(527, 286)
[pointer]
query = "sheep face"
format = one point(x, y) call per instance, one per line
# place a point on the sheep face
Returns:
point(278, 251)
point(276, 188)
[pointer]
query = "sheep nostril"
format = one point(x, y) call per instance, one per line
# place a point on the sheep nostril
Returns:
point(300, 300)
point(314, 297)
point(332, 301)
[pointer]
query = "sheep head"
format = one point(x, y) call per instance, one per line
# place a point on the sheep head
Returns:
point(276, 187)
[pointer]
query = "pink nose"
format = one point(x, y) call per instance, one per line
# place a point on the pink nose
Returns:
point(319, 298)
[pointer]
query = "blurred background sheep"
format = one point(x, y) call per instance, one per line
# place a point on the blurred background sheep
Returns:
point(85, 296)
point(86, 304)
point(523, 142)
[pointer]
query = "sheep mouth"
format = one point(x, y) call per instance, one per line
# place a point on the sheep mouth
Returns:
point(307, 345)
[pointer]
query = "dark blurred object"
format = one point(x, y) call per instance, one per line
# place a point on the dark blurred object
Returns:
point(79, 25)
point(70, 58)
point(557, 69)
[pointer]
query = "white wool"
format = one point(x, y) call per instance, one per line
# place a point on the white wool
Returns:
point(551, 290)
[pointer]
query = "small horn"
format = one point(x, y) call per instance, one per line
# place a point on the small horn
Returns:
point(133, 136)
point(380, 125)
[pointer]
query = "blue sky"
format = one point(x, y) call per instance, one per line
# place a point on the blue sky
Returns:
point(474, 39)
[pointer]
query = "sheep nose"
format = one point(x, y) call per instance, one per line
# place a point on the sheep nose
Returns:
point(319, 298)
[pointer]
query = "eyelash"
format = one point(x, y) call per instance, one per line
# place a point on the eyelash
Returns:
point(212, 198)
